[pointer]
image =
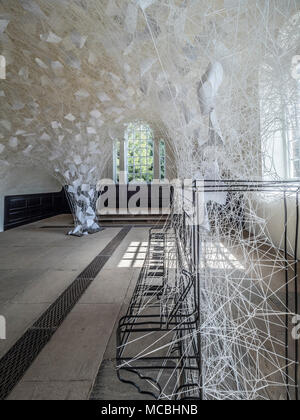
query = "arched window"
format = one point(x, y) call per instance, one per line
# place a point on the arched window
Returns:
point(140, 152)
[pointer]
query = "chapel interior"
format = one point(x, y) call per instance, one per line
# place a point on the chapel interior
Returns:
point(149, 200)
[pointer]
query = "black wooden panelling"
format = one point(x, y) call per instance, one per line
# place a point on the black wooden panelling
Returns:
point(23, 209)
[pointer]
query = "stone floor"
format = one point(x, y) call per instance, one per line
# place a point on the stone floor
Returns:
point(36, 265)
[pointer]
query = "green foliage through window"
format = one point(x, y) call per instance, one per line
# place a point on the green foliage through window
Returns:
point(117, 160)
point(140, 152)
point(162, 159)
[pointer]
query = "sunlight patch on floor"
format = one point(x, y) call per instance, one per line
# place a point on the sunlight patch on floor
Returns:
point(134, 256)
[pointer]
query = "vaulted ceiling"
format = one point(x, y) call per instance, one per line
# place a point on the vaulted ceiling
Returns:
point(81, 69)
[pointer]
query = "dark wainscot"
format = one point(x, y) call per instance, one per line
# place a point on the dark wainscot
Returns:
point(24, 209)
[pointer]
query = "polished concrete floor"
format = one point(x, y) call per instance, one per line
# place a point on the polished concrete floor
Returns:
point(37, 263)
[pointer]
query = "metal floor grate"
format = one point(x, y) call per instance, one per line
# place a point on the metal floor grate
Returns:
point(19, 358)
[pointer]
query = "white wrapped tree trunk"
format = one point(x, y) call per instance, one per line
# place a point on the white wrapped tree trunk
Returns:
point(83, 201)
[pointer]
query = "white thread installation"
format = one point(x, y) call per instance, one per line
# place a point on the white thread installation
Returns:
point(216, 81)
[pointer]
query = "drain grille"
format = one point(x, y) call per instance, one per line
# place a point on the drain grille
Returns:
point(92, 270)
point(19, 358)
point(15, 363)
point(54, 316)
point(115, 242)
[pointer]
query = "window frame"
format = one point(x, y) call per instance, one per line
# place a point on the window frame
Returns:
point(116, 160)
point(284, 130)
point(162, 160)
point(293, 138)
point(142, 155)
